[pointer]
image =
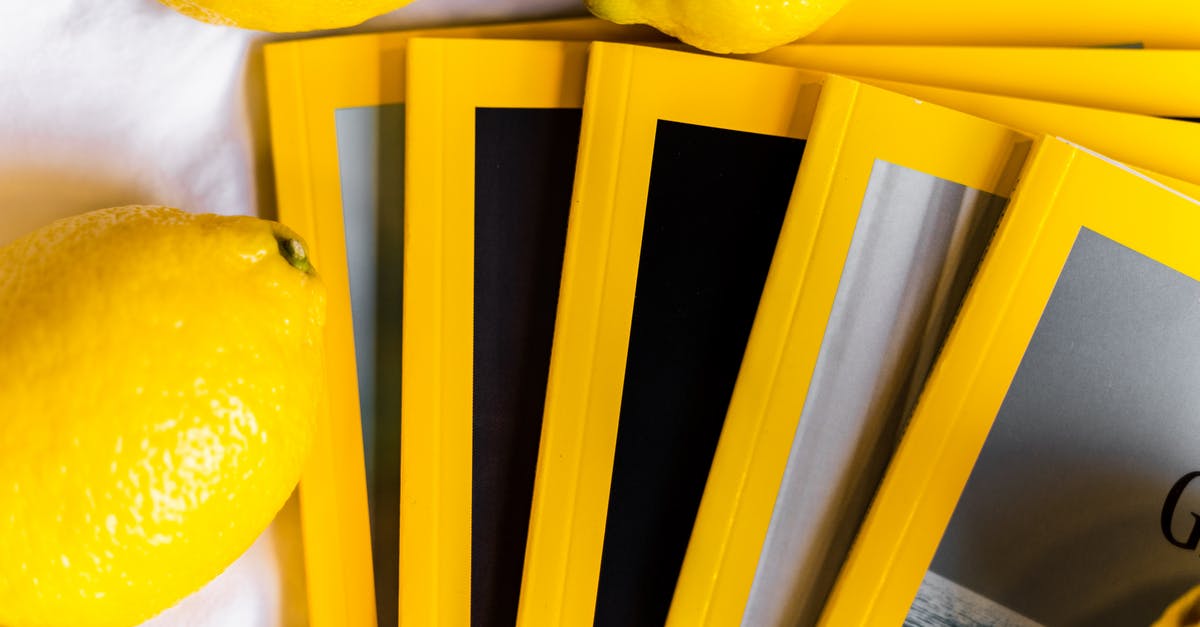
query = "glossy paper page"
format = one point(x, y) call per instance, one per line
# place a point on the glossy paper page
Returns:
point(524, 167)
point(1078, 509)
point(717, 199)
point(914, 251)
point(371, 159)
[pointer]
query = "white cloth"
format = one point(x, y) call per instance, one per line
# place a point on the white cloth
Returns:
point(113, 102)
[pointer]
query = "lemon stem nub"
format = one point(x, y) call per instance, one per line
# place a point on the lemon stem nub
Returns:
point(293, 251)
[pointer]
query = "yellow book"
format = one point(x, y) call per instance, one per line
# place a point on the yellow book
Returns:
point(1046, 475)
point(1151, 82)
point(492, 133)
point(895, 202)
point(1159, 145)
point(337, 129)
point(1154, 24)
point(685, 167)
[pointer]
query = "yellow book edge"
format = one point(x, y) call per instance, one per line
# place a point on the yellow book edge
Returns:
point(448, 80)
point(333, 494)
point(1150, 82)
point(1160, 145)
point(1155, 24)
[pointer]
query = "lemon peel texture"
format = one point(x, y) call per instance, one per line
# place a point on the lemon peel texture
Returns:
point(284, 16)
point(159, 377)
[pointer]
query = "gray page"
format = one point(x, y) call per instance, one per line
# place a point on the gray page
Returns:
point(914, 249)
point(370, 142)
point(1061, 520)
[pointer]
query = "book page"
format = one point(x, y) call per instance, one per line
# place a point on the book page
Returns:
point(370, 143)
point(1079, 508)
point(524, 168)
point(916, 244)
point(716, 202)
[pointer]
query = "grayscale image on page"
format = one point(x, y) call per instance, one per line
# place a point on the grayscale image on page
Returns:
point(915, 247)
point(370, 145)
point(1079, 510)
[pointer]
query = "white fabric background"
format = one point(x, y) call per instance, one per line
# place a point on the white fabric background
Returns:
point(113, 102)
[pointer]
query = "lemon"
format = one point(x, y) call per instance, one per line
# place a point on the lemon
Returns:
point(284, 16)
point(1184, 612)
point(724, 26)
point(159, 377)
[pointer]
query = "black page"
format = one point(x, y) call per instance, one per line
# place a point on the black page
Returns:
point(716, 203)
point(524, 170)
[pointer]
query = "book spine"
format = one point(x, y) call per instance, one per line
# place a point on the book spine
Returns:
point(334, 524)
point(566, 528)
point(423, 545)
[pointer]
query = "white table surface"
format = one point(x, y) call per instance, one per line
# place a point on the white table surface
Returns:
point(115, 102)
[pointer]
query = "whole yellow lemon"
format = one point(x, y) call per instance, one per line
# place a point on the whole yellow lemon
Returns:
point(284, 16)
point(724, 26)
point(159, 378)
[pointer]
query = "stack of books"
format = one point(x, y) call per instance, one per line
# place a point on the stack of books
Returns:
point(621, 333)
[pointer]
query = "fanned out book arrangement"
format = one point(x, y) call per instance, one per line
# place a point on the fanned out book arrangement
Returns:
point(860, 334)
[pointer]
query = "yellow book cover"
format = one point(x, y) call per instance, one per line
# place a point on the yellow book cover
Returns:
point(1046, 476)
point(1153, 23)
point(686, 164)
point(895, 201)
point(1159, 145)
point(1151, 82)
point(492, 134)
point(336, 110)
